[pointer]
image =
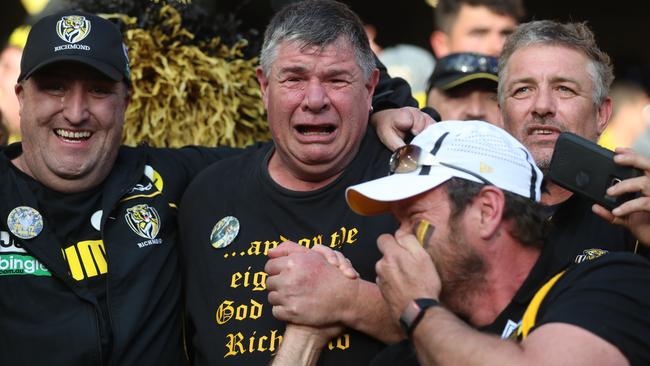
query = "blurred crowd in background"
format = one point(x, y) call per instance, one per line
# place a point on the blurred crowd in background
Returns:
point(229, 31)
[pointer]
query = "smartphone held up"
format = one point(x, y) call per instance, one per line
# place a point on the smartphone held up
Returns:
point(587, 169)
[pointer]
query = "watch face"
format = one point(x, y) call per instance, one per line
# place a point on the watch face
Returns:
point(426, 303)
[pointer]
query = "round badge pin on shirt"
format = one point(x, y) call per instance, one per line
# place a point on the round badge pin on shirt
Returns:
point(96, 220)
point(224, 232)
point(25, 222)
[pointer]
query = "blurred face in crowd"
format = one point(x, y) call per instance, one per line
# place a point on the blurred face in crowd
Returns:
point(9, 71)
point(318, 102)
point(3, 134)
point(474, 100)
point(71, 123)
point(544, 97)
point(476, 29)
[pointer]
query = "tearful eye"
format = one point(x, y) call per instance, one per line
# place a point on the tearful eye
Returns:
point(291, 79)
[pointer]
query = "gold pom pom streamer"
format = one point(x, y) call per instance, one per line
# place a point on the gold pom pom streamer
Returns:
point(185, 94)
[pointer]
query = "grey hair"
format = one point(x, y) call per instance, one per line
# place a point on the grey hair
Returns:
point(317, 23)
point(576, 36)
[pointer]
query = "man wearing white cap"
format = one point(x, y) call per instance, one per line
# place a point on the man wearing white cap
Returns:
point(468, 190)
point(469, 252)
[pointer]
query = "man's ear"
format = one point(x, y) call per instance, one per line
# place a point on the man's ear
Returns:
point(499, 120)
point(18, 89)
point(128, 97)
point(264, 84)
point(604, 114)
point(490, 202)
point(439, 44)
point(371, 84)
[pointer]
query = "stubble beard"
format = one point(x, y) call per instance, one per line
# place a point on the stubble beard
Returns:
point(462, 275)
point(543, 163)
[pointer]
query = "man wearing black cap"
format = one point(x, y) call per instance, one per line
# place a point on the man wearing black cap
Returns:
point(463, 86)
point(88, 266)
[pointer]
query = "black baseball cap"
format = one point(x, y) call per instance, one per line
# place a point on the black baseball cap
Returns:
point(458, 68)
point(74, 35)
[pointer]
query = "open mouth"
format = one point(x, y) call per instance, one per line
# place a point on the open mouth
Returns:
point(72, 136)
point(542, 131)
point(315, 130)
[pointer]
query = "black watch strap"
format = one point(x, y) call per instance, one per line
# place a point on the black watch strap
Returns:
point(414, 312)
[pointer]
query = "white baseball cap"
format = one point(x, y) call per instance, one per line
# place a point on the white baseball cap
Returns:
point(474, 150)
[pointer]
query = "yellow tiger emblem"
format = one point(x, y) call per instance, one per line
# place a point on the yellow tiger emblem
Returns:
point(143, 220)
point(73, 28)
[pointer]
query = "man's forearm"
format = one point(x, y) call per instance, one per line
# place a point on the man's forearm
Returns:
point(298, 348)
point(370, 315)
point(442, 339)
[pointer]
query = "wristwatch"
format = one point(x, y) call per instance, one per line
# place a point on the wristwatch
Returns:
point(414, 312)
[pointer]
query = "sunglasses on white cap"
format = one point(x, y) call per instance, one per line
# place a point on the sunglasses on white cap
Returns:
point(409, 158)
